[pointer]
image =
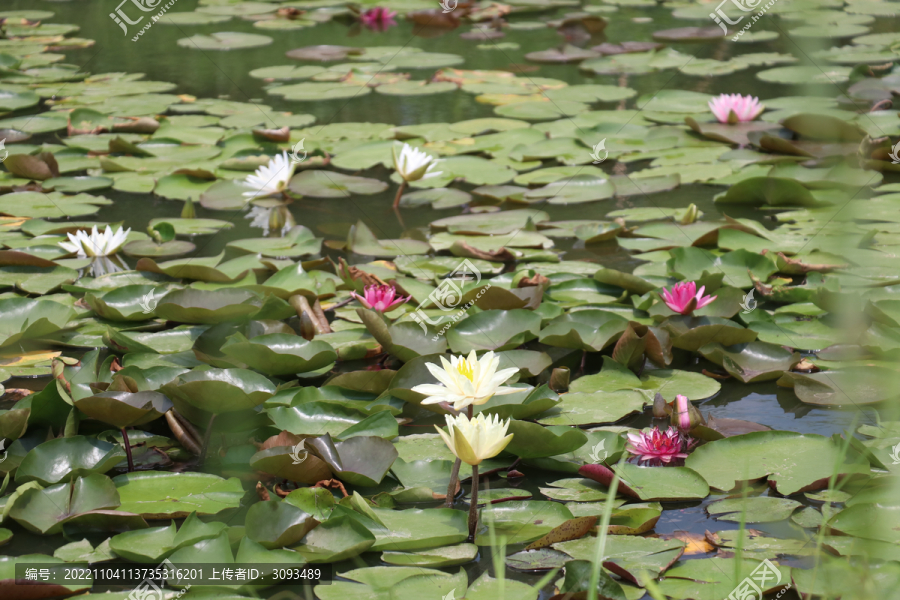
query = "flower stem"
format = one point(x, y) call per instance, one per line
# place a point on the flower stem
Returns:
point(473, 506)
point(399, 193)
point(128, 450)
point(454, 473)
point(454, 481)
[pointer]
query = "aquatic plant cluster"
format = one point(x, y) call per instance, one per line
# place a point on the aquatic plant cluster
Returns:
point(497, 392)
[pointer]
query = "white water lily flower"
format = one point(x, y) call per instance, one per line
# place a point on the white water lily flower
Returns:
point(466, 381)
point(414, 164)
point(96, 243)
point(473, 441)
point(270, 179)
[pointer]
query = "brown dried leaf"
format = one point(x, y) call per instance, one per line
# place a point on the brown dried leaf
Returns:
point(285, 438)
point(465, 250)
point(537, 281)
point(273, 135)
point(572, 529)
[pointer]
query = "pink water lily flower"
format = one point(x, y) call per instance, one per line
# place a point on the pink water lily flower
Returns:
point(744, 108)
point(382, 298)
point(685, 298)
point(378, 18)
point(657, 446)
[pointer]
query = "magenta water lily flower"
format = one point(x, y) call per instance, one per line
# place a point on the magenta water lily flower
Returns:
point(378, 18)
point(734, 108)
point(382, 298)
point(657, 445)
point(685, 298)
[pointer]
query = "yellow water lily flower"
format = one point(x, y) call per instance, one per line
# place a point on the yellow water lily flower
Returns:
point(466, 381)
point(475, 440)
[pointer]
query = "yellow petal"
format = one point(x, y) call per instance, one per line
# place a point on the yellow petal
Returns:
point(447, 440)
point(499, 446)
point(463, 450)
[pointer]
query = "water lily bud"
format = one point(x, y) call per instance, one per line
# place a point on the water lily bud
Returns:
point(475, 440)
point(690, 215)
point(660, 407)
point(188, 212)
point(559, 380)
point(684, 415)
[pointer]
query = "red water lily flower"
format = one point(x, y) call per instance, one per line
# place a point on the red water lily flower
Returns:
point(681, 297)
point(382, 298)
point(657, 445)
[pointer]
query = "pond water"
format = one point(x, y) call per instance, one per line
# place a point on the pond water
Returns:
point(226, 75)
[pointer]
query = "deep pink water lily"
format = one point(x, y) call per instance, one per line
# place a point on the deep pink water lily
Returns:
point(657, 445)
point(382, 298)
point(685, 298)
point(745, 108)
point(378, 18)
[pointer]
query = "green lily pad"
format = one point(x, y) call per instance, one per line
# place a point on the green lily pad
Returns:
point(520, 521)
point(336, 539)
point(328, 184)
point(361, 460)
point(753, 510)
point(91, 499)
point(531, 440)
point(279, 353)
point(219, 390)
point(449, 556)
point(753, 361)
point(275, 524)
point(158, 495)
point(793, 462)
point(64, 459)
point(494, 330)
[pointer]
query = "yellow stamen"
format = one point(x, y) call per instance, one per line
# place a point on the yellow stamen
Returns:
point(465, 369)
